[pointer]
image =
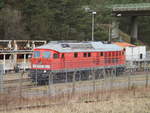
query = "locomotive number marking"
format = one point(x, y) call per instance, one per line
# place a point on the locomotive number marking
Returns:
point(41, 66)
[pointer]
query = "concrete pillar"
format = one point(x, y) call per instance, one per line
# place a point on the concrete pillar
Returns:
point(28, 44)
point(24, 63)
point(33, 45)
point(15, 45)
point(44, 42)
point(14, 59)
point(115, 29)
point(134, 29)
point(1, 80)
point(9, 44)
point(15, 55)
point(4, 62)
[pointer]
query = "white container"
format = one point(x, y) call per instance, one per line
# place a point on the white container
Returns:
point(137, 53)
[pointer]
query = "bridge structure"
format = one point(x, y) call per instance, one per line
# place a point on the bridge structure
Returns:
point(133, 11)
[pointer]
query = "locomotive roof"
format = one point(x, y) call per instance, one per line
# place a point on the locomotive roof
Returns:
point(81, 47)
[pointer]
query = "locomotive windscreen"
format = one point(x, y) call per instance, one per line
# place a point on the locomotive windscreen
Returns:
point(36, 54)
point(46, 54)
point(43, 54)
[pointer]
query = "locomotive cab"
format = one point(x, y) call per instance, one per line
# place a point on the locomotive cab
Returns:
point(46, 59)
point(41, 59)
point(42, 62)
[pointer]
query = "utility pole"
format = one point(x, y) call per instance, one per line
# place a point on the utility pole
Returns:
point(93, 13)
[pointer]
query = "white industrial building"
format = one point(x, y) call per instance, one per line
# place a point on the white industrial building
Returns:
point(135, 55)
point(133, 52)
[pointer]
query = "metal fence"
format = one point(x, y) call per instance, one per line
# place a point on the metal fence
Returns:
point(18, 91)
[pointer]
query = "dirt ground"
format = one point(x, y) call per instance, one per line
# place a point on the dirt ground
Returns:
point(117, 101)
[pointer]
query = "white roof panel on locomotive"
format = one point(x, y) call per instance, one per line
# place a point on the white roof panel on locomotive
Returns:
point(81, 47)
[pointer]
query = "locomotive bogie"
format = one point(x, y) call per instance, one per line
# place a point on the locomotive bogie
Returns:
point(42, 77)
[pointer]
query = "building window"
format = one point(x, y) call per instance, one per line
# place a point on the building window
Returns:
point(141, 56)
point(55, 55)
point(75, 55)
point(84, 54)
point(89, 54)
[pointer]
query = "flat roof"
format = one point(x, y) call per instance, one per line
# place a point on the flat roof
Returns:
point(124, 44)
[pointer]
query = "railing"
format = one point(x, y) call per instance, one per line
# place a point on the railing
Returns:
point(10, 64)
point(81, 64)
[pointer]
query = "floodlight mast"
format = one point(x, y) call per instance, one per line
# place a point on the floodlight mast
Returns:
point(93, 14)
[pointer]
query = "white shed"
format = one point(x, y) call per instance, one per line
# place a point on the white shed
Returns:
point(136, 53)
point(133, 52)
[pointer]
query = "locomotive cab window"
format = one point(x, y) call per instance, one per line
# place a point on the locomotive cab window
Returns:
point(75, 55)
point(36, 54)
point(55, 56)
point(46, 54)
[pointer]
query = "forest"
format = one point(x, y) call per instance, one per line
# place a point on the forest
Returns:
point(63, 19)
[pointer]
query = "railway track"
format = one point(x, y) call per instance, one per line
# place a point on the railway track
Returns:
point(16, 80)
point(23, 83)
point(20, 87)
point(27, 82)
point(27, 79)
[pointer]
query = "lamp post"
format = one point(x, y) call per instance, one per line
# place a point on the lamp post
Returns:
point(93, 13)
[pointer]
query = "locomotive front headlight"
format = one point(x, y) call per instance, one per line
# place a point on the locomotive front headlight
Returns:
point(44, 71)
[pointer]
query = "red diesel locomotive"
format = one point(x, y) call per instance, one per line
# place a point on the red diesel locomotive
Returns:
point(68, 57)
